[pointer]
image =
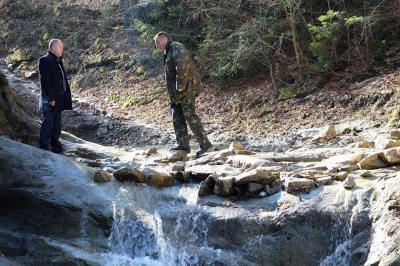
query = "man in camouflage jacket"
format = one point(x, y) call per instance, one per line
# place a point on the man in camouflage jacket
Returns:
point(183, 84)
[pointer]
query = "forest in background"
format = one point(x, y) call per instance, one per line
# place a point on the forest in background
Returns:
point(253, 54)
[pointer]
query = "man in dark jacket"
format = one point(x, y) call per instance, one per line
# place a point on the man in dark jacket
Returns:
point(55, 96)
point(183, 84)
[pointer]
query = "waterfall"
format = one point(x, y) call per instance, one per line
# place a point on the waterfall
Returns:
point(347, 204)
point(138, 228)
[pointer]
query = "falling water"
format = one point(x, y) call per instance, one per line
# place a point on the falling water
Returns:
point(347, 206)
point(138, 229)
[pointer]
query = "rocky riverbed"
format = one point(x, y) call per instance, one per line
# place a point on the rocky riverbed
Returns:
point(319, 196)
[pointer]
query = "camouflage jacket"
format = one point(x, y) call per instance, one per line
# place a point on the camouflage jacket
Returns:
point(180, 72)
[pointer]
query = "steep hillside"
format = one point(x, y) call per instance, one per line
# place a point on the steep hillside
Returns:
point(114, 72)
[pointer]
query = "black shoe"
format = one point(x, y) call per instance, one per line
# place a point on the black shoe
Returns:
point(180, 148)
point(204, 148)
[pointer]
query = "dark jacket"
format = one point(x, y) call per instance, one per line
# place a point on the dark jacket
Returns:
point(51, 81)
point(180, 73)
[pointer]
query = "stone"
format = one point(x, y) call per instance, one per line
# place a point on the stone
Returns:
point(395, 134)
point(391, 156)
point(349, 183)
point(295, 183)
point(151, 151)
point(372, 161)
point(177, 167)
point(246, 162)
point(206, 187)
point(341, 176)
point(366, 174)
point(286, 175)
point(236, 146)
point(128, 174)
point(158, 179)
point(224, 186)
point(254, 187)
point(382, 142)
point(323, 180)
point(273, 188)
point(115, 159)
point(272, 169)
point(360, 144)
point(255, 176)
point(182, 176)
point(101, 176)
point(326, 134)
point(201, 172)
point(102, 131)
point(175, 156)
point(342, 160)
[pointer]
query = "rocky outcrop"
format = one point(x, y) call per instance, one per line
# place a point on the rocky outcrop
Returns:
point(16, 121)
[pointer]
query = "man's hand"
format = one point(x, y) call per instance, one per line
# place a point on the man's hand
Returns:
point(180, 89)
point(52, 103)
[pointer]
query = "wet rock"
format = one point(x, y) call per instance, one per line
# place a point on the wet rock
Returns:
point(157, 179)
point(207, 187)
point(273, 187)
point(115, 159)
point(129, 174)
point(224, 186)
point(349, 183)
point(181, 176)
point(101, 176)
point(272, 169)
point(254, 187)
point(89, 162)
point(295, 183)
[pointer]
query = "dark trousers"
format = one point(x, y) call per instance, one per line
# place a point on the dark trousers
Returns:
point(50, 130)
point(184, 113)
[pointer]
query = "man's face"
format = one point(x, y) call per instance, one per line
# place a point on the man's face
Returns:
point(58, 49)
point(161, 43)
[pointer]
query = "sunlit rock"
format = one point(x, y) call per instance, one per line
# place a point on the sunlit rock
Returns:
point(391, 156)
point(236, 146)
point(296, 183)
point(151, 151)
point(349, 183)
point(176, 156)
point(326, 134)
point(246, 162)
point(323, 180)
point(254, 175)
point(372, 161)
point(341, 176)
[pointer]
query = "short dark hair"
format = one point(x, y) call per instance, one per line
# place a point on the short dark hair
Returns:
point(163, 34)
